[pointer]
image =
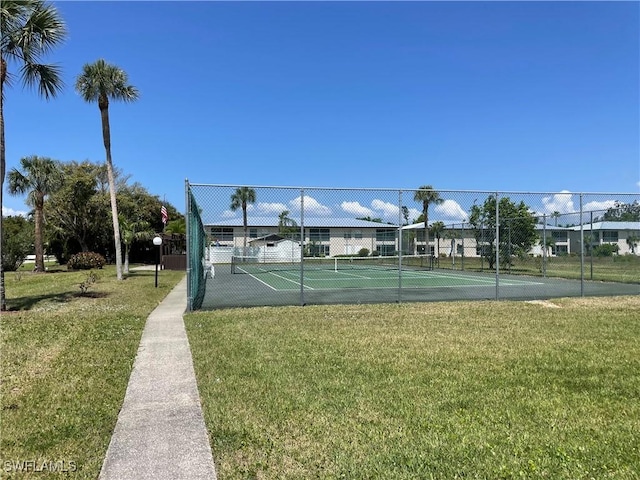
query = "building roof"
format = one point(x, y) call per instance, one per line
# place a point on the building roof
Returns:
point(311, 222)
point(608, 226)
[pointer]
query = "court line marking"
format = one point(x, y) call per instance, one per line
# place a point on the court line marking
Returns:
point(424, 275)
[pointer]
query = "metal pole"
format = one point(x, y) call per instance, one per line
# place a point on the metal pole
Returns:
point(400, 246)
point(157, 261)
point(544, 245)
point(187, 205)
point(302, 247)
point(581, 251)
point(591, 243)
point(497, 248)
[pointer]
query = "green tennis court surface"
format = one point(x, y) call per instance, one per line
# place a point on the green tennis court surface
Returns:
point(364, 278)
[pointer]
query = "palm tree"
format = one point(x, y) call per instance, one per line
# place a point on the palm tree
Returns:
point(240, 199)
point(132, 231)
point(29, 29)
point(437, 228)
point(555, 215)
point(99, 82)
point(286, 225)
point(39, 177)
point(427, 195)
point(632, 242)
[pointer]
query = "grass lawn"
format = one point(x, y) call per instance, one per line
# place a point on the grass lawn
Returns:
point(617, 268)
point(483, 390)
point(65, 364)
point(438, 390)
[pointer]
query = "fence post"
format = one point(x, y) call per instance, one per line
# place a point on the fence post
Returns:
point(497, 247)
point(302, 247)
point(399, 246)
point(581, 250)
point(187, 204)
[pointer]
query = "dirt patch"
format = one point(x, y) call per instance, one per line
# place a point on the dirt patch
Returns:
point(544, 303)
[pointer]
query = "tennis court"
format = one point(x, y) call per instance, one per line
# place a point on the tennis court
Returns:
point(246, 283)
point(380, 273)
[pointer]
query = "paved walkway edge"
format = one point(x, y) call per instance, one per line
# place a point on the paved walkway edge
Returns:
point(160, 432)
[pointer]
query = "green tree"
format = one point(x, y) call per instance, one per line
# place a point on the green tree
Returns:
point(177, 226)
point(437, 229)
point(623, 212)
point(18, 241)
point(40, 177)
point(405, 214)
point(287, 226)
point(241, 198)
point(75, 211)
point(133, 231)
point(516, 229)
point(632, 242)
point(101, 82)
point(135, 201)
point(547, 244)
point(370, 219)
point(29, 29)
point(426, 195)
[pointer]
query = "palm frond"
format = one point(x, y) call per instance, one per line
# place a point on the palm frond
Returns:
point(47, 78)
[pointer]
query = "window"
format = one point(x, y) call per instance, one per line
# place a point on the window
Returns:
point(222, 234)
point(559, 236)
point(559, 250)
point(258, 232)
point(385, 235)
point(386, 250)
point(319, 234)
point(318, 250)
point(347, 235)
point(610, 236)
point(357, 234)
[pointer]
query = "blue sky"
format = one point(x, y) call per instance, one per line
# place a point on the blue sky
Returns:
point(515, 96)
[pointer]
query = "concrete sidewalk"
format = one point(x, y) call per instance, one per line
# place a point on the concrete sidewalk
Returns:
point(160, 431)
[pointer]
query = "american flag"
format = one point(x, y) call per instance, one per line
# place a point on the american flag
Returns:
point(165, 215)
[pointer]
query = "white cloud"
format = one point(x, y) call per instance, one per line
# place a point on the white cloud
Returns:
point(451, 211)
point(6, 212)
point(559, 202)
point(414, 213)
point(387, 210)
point(357, 210)
point(277, 208)
point(229, 214)
point(311, 206)
point(595, 206)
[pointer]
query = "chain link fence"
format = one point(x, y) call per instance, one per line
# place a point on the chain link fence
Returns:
point(261, 245)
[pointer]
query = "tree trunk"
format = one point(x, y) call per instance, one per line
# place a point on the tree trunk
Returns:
point(3, 76)
point(126, 258)
point(245, 225)
point(39, 221)
point(103, 104)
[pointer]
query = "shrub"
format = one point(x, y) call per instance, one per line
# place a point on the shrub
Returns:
point(92, 278)
point(363, 252)
point(605, 250)
point(85, 261)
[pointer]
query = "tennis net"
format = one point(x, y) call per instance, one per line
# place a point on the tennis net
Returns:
point(256, 265)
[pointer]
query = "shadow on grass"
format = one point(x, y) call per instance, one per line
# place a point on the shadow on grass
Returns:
point(28, 302)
